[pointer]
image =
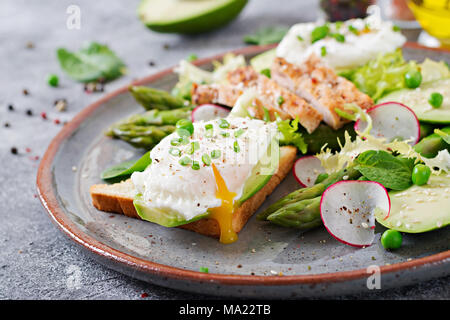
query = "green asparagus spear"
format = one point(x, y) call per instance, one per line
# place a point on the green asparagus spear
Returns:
point(141, 136)
point(303, 215)
point(156, 117)
point(151, 98)
point(432, 144)
point(312, 192)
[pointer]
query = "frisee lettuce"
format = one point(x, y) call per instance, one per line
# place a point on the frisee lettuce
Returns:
point(289, 134)
point(335, 161)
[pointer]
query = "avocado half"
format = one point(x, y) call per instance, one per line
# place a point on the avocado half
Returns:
point(188, 16)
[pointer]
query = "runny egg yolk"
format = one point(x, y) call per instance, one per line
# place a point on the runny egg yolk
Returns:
point(224, 214)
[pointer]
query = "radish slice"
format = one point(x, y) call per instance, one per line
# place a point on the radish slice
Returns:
point(306, 169)
point(206, 112)
point(348, 208)
point(392, 120)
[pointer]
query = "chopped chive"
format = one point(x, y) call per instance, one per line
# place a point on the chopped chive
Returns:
point(236, 147)
point(300, 38)
point(396, 28)
point(195, 165)
point(238, 132)
point(192, 57)
point(185, 161)
point(319, 33)
point(184, 140)
point(266, 72)
point(353, 29)
point(175, 152)
point(204, 269)
point(224, 124)
point(216, 154)
point(225, 134)
point(266, 115)
point(206, 159)
point(193, 147)
point(323, 51)
point(339, 37)
point(175, 141)
point(209, 130)
point(280, 100)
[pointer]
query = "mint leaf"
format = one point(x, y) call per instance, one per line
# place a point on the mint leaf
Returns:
point(91, 63)
point(125, 169)
point(381, 166)
point(266, 35)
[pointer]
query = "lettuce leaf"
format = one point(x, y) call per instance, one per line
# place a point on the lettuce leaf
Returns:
point(382, 75)
point(289, 134)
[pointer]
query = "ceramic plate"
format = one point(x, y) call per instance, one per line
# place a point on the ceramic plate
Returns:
point(266, 262)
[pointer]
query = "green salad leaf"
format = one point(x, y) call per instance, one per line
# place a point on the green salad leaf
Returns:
point(125, 169)
point(383, 167)
point(382, 75)
point(290, 134)
point(266, 35)
point(91, 63)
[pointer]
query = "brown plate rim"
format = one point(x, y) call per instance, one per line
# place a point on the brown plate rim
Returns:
point(48, 198)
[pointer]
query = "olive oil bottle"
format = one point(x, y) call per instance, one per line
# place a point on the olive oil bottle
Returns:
point(434, 18)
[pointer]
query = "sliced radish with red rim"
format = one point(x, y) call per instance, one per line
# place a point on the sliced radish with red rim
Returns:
point(392, 120)
point(348, 208)
point(206, 112)
point(306, 170)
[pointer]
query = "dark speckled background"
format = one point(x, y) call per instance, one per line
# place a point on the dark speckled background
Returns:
point(36, 260)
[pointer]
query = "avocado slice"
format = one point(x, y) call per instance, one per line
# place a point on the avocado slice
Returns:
point(417, 100)
point(188, 16)
point(263, 60)
point(257, 180)
point(419, 208)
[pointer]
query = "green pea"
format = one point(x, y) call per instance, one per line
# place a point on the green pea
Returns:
point(436, 100)
point(391, 239)
point(184, 127)
point(420, 174)
point(53, 80)
point(413, 78)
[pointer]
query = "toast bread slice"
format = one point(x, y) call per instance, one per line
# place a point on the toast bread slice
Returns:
point(118, 198)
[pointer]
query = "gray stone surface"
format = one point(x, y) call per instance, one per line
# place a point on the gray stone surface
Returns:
point(36, 260)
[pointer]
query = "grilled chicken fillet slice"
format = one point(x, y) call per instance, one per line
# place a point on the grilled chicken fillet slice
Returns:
point(275, 97)
point(320, 86)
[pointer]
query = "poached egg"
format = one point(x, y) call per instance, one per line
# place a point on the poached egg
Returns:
point(207, 172)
